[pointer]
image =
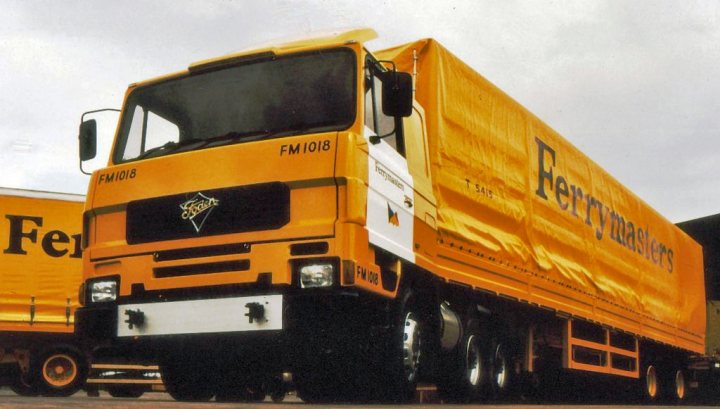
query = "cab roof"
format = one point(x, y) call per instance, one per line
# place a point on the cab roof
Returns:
point(316, 40)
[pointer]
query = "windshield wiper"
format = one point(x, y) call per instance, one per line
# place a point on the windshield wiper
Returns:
point(149, 152)
point(230, 136)
point(168, 147)
point(248, 136)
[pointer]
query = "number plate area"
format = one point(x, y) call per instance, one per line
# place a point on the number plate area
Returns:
point(237, 314)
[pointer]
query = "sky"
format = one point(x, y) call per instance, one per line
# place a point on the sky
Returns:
point(632, 84)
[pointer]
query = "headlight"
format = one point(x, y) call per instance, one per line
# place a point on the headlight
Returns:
point(316, 275)
point(103, 290)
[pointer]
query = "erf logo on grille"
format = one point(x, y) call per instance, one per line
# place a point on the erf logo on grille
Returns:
point(198, 209)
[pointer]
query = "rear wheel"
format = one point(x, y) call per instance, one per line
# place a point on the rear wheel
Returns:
point(465, 374)
point(680, 390)
point(673, 385)
point(501, 371)
point(650, 383)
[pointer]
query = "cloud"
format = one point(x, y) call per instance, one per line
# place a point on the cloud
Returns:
point(632, 84)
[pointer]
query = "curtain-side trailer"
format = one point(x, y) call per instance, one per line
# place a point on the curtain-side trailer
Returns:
point(39, 279)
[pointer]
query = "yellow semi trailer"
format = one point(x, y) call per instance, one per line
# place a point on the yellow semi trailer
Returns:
point(39, 274)
point(368, 220)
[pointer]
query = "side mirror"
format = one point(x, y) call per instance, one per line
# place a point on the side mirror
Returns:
point(397, 93)
point(88, 140)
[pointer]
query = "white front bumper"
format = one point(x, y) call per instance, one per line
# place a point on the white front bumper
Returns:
point(201, 316)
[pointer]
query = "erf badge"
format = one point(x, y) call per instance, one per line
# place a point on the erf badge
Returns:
point(198, 209)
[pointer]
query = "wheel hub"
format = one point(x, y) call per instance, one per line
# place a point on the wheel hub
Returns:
point(679, 384)
point(500, 368)
point(473, 363)
point(59, 370)
point(411, 346)
point(651, 382)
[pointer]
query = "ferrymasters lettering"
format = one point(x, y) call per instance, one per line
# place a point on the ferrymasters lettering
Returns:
point(388, 176)
point(118, 176)
point(55, 243)
point(570, 198)
point(305, 147)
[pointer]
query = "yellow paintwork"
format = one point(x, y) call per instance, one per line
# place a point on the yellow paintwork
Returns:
point(318, 41)
point(479, 161)
point(53, 280)
point(512, 219)
point(350, 38)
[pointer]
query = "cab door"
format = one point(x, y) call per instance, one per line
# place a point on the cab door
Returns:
point(390, 199)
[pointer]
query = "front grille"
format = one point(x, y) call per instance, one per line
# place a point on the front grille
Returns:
point(197, 252)
point(207, 268)
point(208, 213)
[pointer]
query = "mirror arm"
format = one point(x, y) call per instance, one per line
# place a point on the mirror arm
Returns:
point(394, 70)
point(375, 139)
point(82, 117)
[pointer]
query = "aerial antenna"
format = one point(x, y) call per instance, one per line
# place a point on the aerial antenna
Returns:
point(415, 60)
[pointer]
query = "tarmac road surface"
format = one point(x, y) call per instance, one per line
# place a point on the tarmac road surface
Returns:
point(155, 400)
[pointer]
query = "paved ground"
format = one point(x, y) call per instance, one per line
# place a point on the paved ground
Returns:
point(164, 401)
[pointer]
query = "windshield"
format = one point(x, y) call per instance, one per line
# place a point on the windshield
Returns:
point(274, 97)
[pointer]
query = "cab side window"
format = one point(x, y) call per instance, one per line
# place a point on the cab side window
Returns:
point(382, 125)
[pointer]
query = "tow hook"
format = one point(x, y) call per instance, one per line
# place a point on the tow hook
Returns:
point(136, 318)
point(256, 311)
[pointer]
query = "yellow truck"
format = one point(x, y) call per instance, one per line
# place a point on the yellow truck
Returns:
point(39, 276)
point(367, 221)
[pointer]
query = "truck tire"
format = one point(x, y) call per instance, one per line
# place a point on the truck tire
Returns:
point(310, 391)
point(673, 386)
point(650, 384)
point(188, 378)
point(330, 379)
point(680, 389)
point(464, 376)
point(500, 370)
point(247, 391)
point(277, 389)
point(278, 395)
point(407, 349)
point(24, 387)
point(59, 371)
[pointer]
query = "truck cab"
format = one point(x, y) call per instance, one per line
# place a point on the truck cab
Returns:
point(254, 216)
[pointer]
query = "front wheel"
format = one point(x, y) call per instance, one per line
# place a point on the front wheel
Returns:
point(61, 370)
point(407, 349)
point(188, 378)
